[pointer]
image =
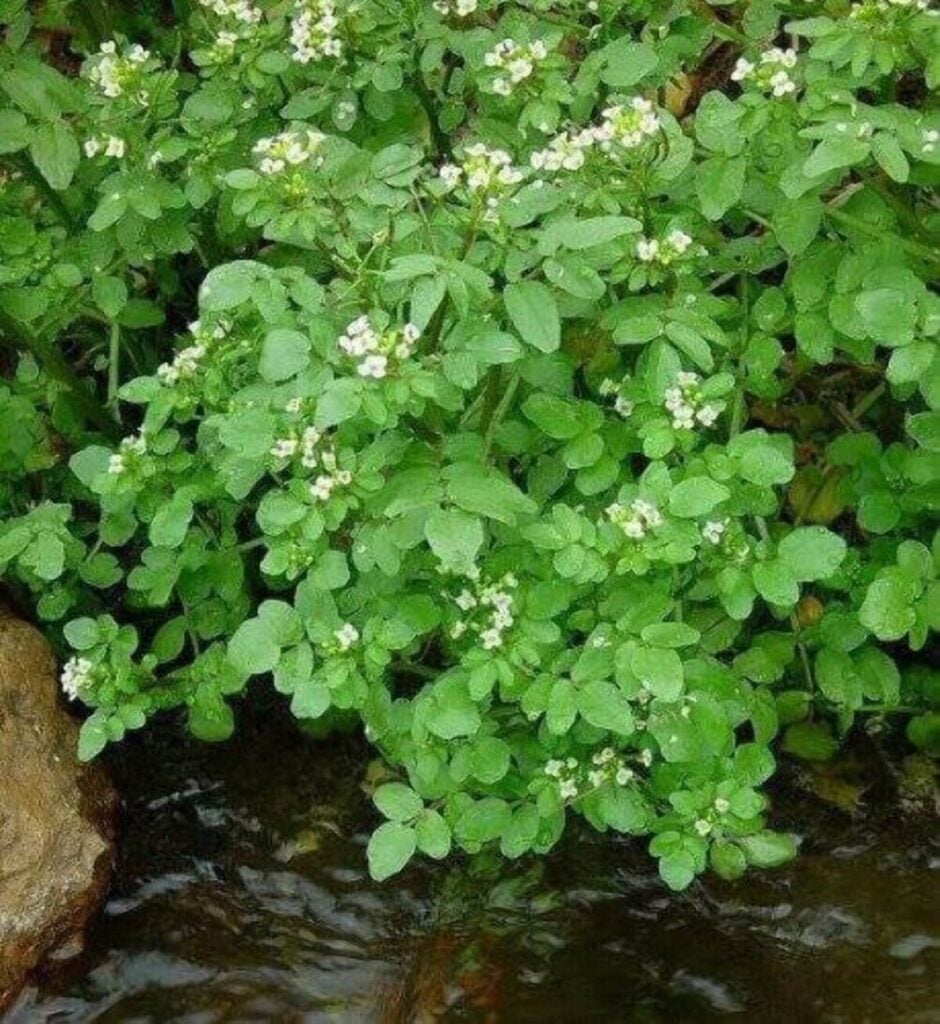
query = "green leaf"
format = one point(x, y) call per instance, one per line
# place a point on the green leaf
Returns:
point(433, 835)
point(92, 738)
point(659, 670)
point(54, 151)
point(390, 848)
point(169, 525)
point(284, 353)
point(532, 309)
point(604, 706)
point(455, 537)
point(14, 134)
point(719, 183)
point(397, 801)
point(812, 552)
point(696, 496)
point(776, 583)
point(888, 606)
point(311, 698)
point(890, 157)
point(253, 648)
point(768, 849)
point(82, 633)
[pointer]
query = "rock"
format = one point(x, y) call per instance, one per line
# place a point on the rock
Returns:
point(56, 815)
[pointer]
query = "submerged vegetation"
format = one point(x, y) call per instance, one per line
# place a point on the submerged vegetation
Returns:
point(550, 388)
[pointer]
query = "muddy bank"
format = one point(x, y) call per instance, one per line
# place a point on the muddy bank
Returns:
point(242, 895)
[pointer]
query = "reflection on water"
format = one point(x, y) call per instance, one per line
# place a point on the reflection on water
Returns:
point(242, 896)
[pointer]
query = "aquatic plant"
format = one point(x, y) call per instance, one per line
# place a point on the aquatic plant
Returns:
point(550, 387)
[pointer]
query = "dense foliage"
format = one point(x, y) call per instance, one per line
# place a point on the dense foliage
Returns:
point(550, 387)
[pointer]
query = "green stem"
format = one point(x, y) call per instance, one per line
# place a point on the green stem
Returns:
point(114, 367)
point(18, 336)
point(499, 413)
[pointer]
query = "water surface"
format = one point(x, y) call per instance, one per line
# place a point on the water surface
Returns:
point(242, 896)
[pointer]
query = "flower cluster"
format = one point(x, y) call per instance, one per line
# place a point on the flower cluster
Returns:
point(627, 126)
point(491, 605)
point(313, 31)
point(683, 400)
point(489, 175)
point(287, 149)
point(666, 251)
point(373, 349)
point(461, 8)
point(565, 152)
point(770, 73)
point(873, 10)
point(636, 518)
point(322, 488)
point(607, 767)
point(564, 772)
point(242, 11)
point(117, 75)
point(110, 145)
point(515, 62)
point(76, 677)
point(186, 362)
point(133, 444)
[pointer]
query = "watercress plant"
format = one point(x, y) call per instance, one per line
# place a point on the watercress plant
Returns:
point(549, 387)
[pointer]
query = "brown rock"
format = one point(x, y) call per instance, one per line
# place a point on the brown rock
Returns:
point(56, 815)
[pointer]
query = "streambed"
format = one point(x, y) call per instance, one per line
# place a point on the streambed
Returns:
point(241, 895)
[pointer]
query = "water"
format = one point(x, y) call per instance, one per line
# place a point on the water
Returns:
point(242, 896)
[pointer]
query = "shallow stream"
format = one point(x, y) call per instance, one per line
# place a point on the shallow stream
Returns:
point(242, 896)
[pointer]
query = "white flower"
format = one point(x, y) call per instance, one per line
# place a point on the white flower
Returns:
point(553, 768)
point(294, 406)
point(628, 125)
point(288, 148)
point(346, 636)
point(322, 488)
point(114, 147)
point(929, 138)
point(568, 789)
point(411, 333)
point(285, 448)
point(450, 174)
point(374, 365)
point(702, 827)
point(491, 638)
point(679, 240)
point(647, 249)
point(722, 806)
point(465, 600)
point(623, 776)
point(713, 530)
point(742, 70)
point(116, 464)
point(313, 31)
point(75, 677)
point(707, 415)
point(92, 147)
